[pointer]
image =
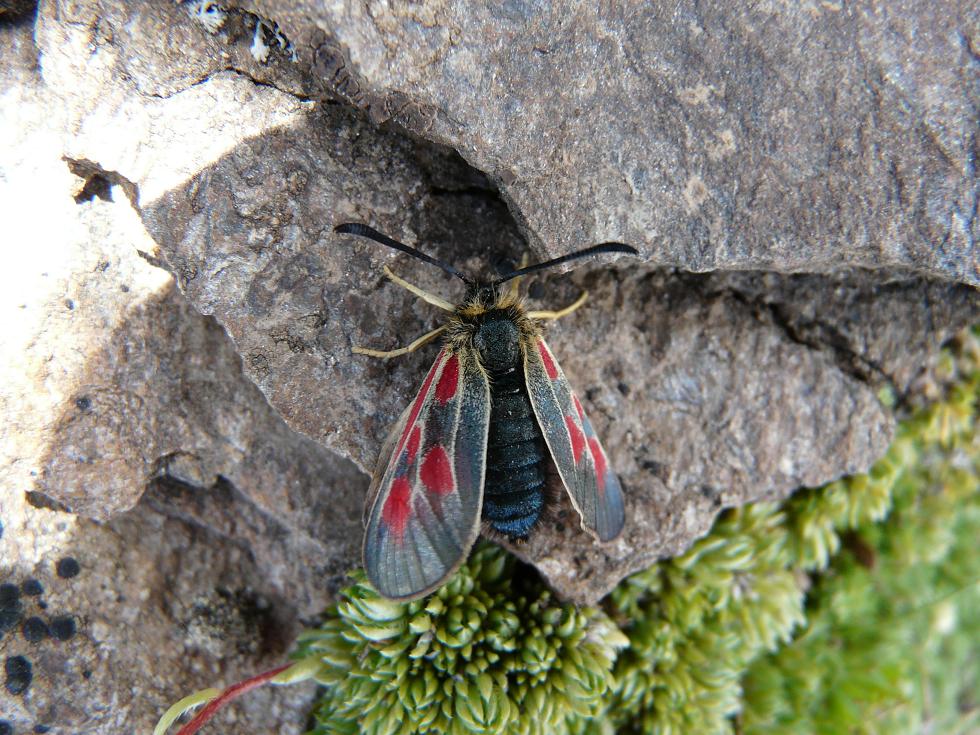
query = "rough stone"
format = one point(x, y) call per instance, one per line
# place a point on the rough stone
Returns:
point(122, 624)
point(112, 383)
point(798, 137)
point(247, 233)
point(883, 329)
point(207, 471)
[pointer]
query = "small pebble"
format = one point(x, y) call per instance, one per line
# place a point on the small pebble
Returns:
point(63, 628)
point(32, 587)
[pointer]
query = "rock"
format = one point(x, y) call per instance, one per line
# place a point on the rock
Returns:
point(160, 607)
point(112, 383)
point(884, 330)
point(118, 381)
point(213, 443)
point(247, 233)
point(789, 138)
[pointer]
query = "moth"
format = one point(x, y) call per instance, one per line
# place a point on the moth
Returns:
point(474, 444)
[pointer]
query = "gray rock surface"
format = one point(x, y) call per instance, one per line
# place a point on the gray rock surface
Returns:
point(787, 137)
point(201, 442)
point(159, 608)
point(112, 384)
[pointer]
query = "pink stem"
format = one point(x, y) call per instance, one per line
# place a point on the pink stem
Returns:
point(232, 692)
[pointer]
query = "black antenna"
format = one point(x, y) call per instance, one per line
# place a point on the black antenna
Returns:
point(606, 247)
point(356, 228)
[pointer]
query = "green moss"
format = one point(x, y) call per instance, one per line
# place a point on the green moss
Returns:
point(849, 608)
point(488, 652)
point(892, 642)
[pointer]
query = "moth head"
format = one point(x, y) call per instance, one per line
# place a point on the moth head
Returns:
point(484, 295)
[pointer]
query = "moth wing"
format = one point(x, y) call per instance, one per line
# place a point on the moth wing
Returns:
point(381, 466)
point(579, 457)
point(426, 513)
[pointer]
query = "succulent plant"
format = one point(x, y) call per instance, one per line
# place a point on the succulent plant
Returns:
point(491, 651)
point(892, 642)
point(745, 631)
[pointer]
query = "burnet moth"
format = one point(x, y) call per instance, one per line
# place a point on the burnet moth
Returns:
point(473, 445)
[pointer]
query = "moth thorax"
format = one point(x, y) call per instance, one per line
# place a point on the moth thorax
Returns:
point(497, 339)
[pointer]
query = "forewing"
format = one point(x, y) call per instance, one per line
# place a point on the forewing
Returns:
point(426, 513)
point(581, 461)
point(384, 457)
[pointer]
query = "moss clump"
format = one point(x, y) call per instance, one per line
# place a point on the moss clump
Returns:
point(849, 608)
point(764, 574)
point(892, 642)
point(694, 622)
point(486, 653)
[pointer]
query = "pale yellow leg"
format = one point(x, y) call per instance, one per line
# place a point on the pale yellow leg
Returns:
point(563, 312)
point(423, 340)
point(516, 283)
point(424, 295)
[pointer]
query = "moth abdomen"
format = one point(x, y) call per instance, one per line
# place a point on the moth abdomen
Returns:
point(514, 489)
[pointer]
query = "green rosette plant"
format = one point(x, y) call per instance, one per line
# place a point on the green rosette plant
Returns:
point(488, 652)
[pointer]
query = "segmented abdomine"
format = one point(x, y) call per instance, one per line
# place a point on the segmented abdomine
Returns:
point(513, 493)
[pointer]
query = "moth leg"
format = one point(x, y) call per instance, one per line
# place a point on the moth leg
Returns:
point(423, 340)
point(516, 283)
point(561, 312)
point(424, 295)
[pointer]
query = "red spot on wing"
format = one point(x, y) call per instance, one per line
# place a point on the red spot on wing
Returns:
point(549, 363)
point(578, 407)
point(436, 473)
point(577, 437)
point(448, 381)
point(600, 463)
point(417, 406)
point(396, 510)
point(413, 443)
